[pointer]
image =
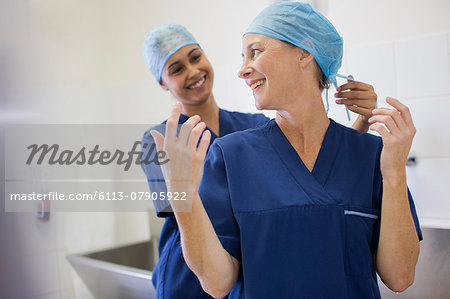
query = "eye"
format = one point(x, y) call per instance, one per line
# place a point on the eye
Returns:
point(255, 51)
point(196, 57)
point(176, 70)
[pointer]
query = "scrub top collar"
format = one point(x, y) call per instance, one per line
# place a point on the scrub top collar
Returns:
point(322, 167)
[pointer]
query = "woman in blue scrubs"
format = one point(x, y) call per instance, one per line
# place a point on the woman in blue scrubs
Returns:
point(180, 66)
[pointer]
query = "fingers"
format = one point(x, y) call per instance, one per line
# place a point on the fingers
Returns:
point(360, 110)
point(387, 120)
point(403, 109)
point(204, 144)
point(187, 128)
point(355, 85)
point(172, 122)
point(159, 139)
point(380, 130)
point(391, 114)
point(356, 102)
point(356, 94)
point(195, 134)
point(398, 121)
point(358, 97)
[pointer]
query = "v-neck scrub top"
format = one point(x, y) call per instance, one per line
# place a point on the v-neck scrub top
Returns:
point(171, 277)
point(296, 233)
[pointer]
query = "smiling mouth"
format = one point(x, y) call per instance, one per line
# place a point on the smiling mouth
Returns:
point(198, 83)
point(257, 84)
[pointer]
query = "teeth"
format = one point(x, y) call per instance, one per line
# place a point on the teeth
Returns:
point(256, 84)
point(197, 84)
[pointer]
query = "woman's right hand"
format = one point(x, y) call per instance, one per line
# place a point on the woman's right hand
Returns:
point(184, 169)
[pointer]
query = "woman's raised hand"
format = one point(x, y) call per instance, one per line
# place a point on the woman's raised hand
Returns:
point(184, 169)
point(397, 138)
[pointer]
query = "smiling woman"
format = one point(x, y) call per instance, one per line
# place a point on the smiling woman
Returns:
point(180, 66)
point(301, 207)
point(189, 76)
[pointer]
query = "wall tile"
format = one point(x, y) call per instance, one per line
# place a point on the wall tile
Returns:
point(35, 237)
point(73, 231)
point(448, 49)
point(432, 137)
point(132, 227)
point(42, 273)
point(79, 232)
point(422, 67)
point(428, 182)
point(374, 65)
point(64, 271)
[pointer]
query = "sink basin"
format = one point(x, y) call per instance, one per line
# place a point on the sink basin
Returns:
point(121, 272)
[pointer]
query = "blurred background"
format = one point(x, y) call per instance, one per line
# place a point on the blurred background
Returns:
point(79, 62)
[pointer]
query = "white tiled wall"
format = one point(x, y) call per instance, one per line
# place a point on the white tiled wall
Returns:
point(417, 72)
point(375, 64)
point(428, 182)
point(43, 247)
point(432, 139)
point(423, 66)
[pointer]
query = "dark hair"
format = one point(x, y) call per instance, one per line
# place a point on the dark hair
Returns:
point(324, 82)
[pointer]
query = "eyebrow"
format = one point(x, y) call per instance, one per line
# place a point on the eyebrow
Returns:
point(176, 62)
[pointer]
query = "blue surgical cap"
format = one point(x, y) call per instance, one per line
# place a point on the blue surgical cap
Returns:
point(303, 26)
point(161, 43)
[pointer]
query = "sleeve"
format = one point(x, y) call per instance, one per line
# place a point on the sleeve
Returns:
point(215, 195)
point(155, 178)
point(260, 120)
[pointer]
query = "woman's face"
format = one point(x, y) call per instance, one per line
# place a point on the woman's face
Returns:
point(188, 75)
point(271, 69)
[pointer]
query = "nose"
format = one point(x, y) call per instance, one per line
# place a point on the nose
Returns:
point(245, 71)
point(192, 71)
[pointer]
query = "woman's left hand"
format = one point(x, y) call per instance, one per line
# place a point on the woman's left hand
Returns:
point(398, 137)
point(358, 97)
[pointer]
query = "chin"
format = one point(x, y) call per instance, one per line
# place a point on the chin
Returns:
point(262, 104)
point(200, 100)
point(259, 107)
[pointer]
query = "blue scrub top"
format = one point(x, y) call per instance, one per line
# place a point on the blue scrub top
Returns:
point(296, 233)
point(171, 277)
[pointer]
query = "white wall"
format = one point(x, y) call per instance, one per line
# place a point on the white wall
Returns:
point(368, 22)
point(80, 62)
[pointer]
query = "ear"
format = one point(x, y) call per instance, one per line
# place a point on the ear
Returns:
point(163, 86)
point(305, 58)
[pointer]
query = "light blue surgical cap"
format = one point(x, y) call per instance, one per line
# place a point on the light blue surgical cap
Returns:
point(303, 26)
point(161, 43)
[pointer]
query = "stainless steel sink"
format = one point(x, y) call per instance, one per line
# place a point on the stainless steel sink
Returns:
point(122, 272)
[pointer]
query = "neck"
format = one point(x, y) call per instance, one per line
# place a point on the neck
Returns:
point(208, 112)
point(305, 124)
point(305, 121)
